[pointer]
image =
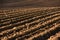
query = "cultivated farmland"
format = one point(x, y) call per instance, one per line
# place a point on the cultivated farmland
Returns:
point(30, 23)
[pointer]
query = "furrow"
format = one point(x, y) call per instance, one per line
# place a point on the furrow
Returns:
point(28, 30)
point(20, 18)
point(28, 25)
point(46, 34)
point(39, 30)
point(22, 22)
point(55, 37)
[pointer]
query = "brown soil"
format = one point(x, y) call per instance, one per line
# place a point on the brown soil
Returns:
point(30, 24)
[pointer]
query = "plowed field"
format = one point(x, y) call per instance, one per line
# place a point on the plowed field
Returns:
point(30, 24)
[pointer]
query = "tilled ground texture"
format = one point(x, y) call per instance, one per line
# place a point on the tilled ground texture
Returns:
point(30, 24)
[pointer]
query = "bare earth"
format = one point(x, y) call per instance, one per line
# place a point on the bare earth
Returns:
point(30, 23)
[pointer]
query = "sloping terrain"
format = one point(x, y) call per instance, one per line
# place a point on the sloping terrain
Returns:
point(30, 24)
